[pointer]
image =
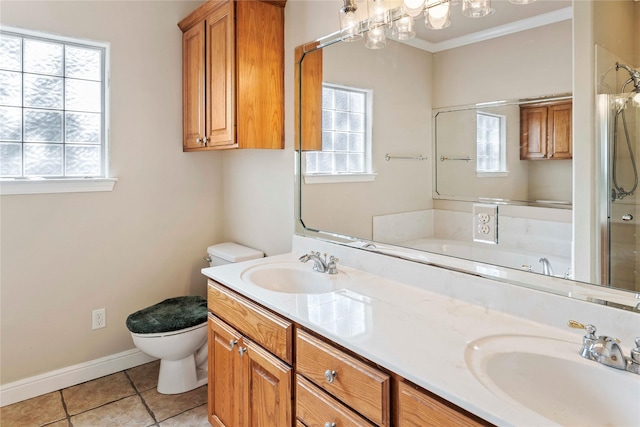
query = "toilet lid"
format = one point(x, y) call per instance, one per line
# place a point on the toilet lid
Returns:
point(169, 315)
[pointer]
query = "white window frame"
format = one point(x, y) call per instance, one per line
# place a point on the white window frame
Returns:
point(340, 177)
point(41, 185)
point(502, 171)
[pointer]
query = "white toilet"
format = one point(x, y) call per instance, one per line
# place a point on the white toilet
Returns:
point(175, 330)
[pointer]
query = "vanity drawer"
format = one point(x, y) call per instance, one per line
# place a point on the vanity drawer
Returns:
point(357, 384)
point(271, 331)
point(314, 407)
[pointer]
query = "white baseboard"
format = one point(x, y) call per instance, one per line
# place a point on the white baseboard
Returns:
point(66, 377)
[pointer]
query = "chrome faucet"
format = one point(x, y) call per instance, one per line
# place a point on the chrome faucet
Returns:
point(607, 351)
point(546, 267)
point(321, 265)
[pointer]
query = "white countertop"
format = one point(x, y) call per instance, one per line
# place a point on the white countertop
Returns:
point(411, 330)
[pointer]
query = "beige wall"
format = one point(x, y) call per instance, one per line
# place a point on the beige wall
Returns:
point(66, 254)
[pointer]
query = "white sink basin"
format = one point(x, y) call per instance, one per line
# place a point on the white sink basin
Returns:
point(549, 377)
point(294, 278)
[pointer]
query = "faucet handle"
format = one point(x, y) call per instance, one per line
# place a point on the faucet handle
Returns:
point(587, 340)
point(332, 266)
point(635, 352)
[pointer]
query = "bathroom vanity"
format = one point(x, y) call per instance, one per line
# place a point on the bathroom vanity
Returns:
point(389, 342)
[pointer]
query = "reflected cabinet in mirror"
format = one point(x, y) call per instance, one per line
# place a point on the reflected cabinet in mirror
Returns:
point(470, 149)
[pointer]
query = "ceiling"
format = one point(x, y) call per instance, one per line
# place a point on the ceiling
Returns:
point(507, 18)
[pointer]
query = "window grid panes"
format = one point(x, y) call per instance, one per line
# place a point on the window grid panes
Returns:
point(52, 107)
point(490, 143)
point(344, 132)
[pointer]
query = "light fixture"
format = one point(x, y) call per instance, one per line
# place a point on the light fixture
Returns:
point(404, 29)
point(350, 29)
point(397, 16)
point(376, 39)
point(437, 17)
point(476, 8)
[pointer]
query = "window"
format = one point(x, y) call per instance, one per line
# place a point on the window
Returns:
point(53, 102)
point(346, 133)
point(490, 143)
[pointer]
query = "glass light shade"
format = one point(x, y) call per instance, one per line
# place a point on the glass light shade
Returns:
point(404, 29)
point(413, 8)
point(377, 13)
point(437, 17)
point(521, 1)
point(476, 8)
point(376, 38)
point(349, 26)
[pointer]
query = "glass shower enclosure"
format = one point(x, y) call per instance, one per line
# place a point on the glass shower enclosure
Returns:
point(620, 131)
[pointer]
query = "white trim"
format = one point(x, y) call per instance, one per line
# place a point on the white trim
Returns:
point(63, 185)
point(492, 174)
point(338, 178)
point(38, 385)
point(499, 31)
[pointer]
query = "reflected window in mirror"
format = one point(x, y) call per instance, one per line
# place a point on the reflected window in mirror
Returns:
point(491, 144)
point(346, 133)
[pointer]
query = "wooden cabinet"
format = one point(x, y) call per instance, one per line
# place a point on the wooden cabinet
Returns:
point(233, 75)
point(248, 385)
point(418, 408)
point(545, 131)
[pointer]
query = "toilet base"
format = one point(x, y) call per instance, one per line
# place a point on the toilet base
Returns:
point(180, 376)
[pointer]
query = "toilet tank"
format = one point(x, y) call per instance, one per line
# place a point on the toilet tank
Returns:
point(228, 252)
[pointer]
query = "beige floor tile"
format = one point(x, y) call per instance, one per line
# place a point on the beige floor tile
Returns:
point(92, 394)
point(196, 417)
point(38, 411)
point(63, 423)
point(166, 406)
point(129, 412)
point(145, 377)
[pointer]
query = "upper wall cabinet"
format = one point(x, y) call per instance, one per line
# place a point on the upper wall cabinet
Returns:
point(545, 131)
point(233, 75)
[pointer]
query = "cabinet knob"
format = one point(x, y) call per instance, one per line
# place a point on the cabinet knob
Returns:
point(199, 140)
point(242, 350)
point(232, 343)
point(205, 140)
point(627, 217)
point(330, 375)
point(330, 424)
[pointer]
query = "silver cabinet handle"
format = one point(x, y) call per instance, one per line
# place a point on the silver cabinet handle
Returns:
point(199, 140)
point(330, 375)
point(329, 424)
point(242, 350)
point(232, 343)
point(627, 217)
point(205, 140)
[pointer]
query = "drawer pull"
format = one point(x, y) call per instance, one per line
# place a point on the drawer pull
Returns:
point(242, 350)
point(328, 424)
point(232, 343)
point(330, 376)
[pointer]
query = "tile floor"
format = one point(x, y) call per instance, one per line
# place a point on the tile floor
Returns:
point(125, 399)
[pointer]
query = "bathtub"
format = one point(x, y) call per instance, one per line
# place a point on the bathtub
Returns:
point(492, 254)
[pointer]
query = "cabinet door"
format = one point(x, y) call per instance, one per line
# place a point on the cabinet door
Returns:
point(559, 128)
point(193, 119)
point(267, 388)
point(224, 374)
point(260, 74)
point(533, 133)
point(220, 75)
point(418, 409)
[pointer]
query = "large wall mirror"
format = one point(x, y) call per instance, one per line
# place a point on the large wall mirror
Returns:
point(448, 147)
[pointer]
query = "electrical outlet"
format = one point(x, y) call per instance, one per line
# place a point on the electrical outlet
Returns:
point(98, 318)
point(485, 223)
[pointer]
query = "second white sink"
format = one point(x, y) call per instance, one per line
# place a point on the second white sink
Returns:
point(549, 377)
point(294, 278)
